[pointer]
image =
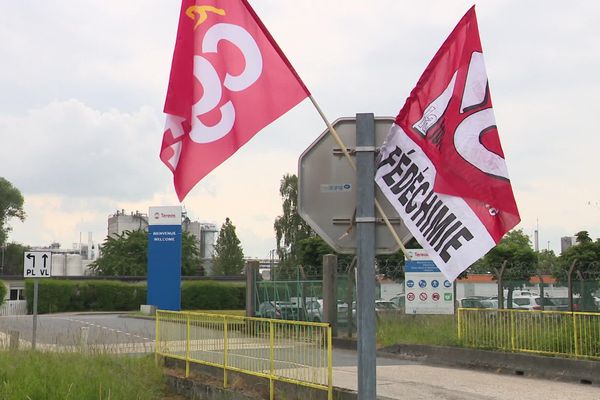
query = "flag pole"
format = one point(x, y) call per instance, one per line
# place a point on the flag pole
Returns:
point(340, 143)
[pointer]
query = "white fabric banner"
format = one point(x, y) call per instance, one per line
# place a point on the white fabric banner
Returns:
point(444, 225)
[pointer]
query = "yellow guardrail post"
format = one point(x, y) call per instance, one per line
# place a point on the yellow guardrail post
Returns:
point(271, 361)
point(330, 364)
point(575, 335)
point(156, 337)
point(459, 324)
point(512, 331)
point(225, 350)
point(187, 347)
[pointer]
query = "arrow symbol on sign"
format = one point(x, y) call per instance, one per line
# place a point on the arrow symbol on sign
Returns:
point(30, 256)
point(45, 257)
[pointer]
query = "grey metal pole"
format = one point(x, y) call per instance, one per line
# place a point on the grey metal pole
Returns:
point(329, 291)
point(36, 282)
point(251, 271)
point(365, 250)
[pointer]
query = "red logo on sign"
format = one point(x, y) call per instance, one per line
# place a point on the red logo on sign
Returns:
point(435, 296)
point(410, 296)
point(423, 296)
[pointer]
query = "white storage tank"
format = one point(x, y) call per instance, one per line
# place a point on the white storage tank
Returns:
point(59, 264)
point(74, 266)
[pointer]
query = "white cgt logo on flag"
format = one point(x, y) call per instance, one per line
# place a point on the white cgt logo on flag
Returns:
point(206, 73)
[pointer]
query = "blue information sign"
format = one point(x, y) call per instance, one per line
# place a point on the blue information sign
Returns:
point(164, 258)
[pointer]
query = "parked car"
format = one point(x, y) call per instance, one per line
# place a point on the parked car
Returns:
point(269, 309)
point(535, 303)
point(471, 302)
point(399, 301)
point(314, 311)
point(563, 304)
point(385, 306)
point(493, 303)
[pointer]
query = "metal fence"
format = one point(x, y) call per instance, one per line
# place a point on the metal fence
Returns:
point(13, 307)
point(286, 351)
point(559, 333)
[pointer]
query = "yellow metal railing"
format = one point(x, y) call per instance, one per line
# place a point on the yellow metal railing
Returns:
point(278, 350)
point(573, 334)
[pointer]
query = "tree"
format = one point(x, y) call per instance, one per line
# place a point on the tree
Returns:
point(11, 206)
point(392, 265)
point(547, 261)
point(123, 255)
point(583, 237)
point(127, 255)
point(228, 258)
point(310, 252)
point(13, 259)
point(191, 264)
point(521, 261)
point(585, 255)
point(290, 228)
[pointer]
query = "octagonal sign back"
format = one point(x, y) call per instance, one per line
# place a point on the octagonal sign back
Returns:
point(327, 191)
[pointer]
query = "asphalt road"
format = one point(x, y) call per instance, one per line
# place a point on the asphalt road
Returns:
point(396, 379)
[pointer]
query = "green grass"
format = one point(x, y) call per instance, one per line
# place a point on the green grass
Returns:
point(437, 330)
point(30, 375)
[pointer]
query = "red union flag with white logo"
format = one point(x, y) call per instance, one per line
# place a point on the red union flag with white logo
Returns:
point(442, 166)
point(229, 80)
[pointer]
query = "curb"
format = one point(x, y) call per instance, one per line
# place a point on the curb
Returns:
point(535, 366)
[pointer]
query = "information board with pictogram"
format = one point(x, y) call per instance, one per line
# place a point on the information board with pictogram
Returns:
point(427, 290)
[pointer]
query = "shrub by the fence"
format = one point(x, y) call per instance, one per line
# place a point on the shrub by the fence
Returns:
point(209, 295)
point(67, 295)
point(3, 291)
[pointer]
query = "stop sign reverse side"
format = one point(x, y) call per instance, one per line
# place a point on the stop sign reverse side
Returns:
point(327, 191)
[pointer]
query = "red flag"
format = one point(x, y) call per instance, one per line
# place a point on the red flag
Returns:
point(229, 80)
point(442, 165)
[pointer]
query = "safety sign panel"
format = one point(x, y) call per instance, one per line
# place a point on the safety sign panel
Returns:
point(427, 289)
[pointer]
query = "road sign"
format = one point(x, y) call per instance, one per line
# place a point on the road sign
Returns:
point(37, 264)
point(327, 191)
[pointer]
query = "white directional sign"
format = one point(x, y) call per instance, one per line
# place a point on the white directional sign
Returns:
point(38, 264)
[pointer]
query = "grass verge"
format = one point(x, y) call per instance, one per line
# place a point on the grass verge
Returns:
point(436, 330)
point(53, 376)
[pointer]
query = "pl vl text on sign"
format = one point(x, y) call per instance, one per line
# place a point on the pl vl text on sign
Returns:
point(327, 191)
point(37, 264)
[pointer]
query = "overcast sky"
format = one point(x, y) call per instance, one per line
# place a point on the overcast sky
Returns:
point(82, 86)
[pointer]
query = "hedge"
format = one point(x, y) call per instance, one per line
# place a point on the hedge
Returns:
point(56, 295)
point(207, 295)
point(3, 291)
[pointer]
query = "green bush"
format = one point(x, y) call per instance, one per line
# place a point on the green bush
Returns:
point(3, 291)
point(210, 295)
point(56, 295)
point(66, 295)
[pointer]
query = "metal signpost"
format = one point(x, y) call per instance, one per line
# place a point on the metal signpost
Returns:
point(365, 252)
point(339, 204)
point(37, 264)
